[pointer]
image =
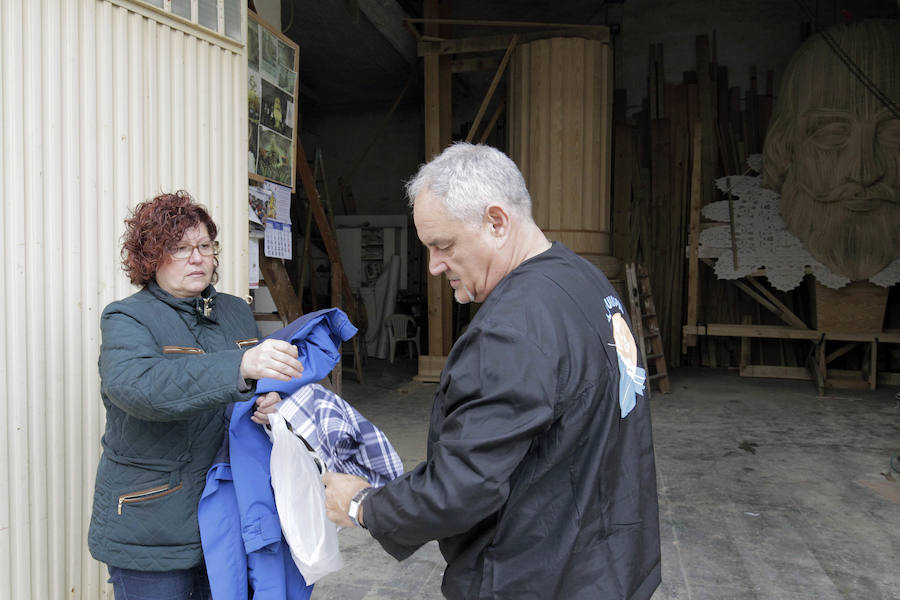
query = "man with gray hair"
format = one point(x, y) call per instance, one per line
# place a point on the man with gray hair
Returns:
point(539, 480)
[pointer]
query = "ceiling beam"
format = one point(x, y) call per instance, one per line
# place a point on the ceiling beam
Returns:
point(387, 16)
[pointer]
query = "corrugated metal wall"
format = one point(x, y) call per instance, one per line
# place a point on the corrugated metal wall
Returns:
point(103, 105)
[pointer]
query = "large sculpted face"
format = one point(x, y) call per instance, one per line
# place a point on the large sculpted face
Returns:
point(833, 150)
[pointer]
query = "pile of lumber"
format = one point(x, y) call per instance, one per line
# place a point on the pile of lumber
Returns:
point(652, 184)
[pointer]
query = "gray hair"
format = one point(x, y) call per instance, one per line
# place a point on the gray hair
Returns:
point(467, 178)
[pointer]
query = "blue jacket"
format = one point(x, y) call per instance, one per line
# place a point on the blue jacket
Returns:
point(239, 526)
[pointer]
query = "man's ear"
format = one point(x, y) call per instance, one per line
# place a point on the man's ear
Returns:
point(497, 221)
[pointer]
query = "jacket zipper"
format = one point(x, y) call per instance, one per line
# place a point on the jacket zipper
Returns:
point(182, 350)
point(149, 494)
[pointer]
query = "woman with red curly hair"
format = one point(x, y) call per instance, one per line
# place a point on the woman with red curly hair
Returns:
point(172, 357)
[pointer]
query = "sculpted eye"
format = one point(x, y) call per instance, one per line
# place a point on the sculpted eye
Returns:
point(830, 136)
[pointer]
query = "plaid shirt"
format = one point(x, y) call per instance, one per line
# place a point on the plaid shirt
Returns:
point(345, 440)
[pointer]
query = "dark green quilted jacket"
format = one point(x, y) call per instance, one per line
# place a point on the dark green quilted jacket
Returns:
point(168, 368)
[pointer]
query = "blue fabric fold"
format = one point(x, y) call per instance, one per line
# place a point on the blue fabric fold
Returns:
point(237, 510)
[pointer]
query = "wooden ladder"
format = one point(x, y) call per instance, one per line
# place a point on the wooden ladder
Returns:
point(646, 325)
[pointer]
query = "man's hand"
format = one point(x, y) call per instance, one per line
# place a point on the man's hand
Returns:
point(265, 405)
point(339, 490)
point(275, 359)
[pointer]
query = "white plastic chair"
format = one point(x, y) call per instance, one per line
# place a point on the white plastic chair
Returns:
point(402, 328)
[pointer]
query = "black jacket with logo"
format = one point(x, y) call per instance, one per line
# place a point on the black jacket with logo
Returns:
point(539, 480)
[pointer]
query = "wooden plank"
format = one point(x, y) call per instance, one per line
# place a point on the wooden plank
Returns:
point(706, 95)
point(599, 161)
point(492, 88)
point(746, 347)
point(305, 262)
point(679, 178)
point(859, 306)
point(554, 115)
point(789, 333)
point(694, 235)
point(575, 183)
point(539, 96)
point(840, 351)
point(493, 122)
point(776, 372)
point(276, 277)
point(660, 75)
point(782, 311)
point(658, 249)
point(438, 123)
point(622, 177)
point(889, 378)
point(430, 368)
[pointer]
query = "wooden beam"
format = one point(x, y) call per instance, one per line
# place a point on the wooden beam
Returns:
point(493, 122)
point(493, 87)
point(782, 332)
point(694, 235)
point(768, 300)
point(706, 95)
point(622, 178)
point(482, 23)
point(279, 284)
point(500, 42)
point(388, 16)
point(357, 316)
point(438, 131)
point(776, 372)
point(841, 351)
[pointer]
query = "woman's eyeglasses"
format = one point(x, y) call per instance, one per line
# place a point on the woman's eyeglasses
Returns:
point(182, 251)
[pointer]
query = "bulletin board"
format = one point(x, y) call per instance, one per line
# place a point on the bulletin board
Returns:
point(273, 61)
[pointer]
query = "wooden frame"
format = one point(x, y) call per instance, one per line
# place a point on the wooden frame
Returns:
point(436, 48)
point(819, 358)
point(273, 63)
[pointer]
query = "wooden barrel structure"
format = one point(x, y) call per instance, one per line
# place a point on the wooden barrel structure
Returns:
point(560, 123)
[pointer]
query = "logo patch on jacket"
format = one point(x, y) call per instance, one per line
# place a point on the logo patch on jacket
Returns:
point(631, 376)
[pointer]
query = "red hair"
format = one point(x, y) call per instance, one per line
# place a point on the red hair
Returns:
point(155, 227)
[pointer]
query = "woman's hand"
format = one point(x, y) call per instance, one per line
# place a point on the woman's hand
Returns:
point(275, 359)
point(264, 405)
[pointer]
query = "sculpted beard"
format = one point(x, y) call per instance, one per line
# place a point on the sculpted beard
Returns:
point(851, 243)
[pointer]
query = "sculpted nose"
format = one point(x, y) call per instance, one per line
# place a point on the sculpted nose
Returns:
point(866, 170)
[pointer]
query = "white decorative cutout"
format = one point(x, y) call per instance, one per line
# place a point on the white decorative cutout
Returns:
point(763, 240)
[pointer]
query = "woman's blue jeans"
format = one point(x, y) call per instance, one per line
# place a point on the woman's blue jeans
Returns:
point(181, 584)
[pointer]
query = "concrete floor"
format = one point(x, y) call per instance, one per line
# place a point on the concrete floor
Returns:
point(765, 491)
